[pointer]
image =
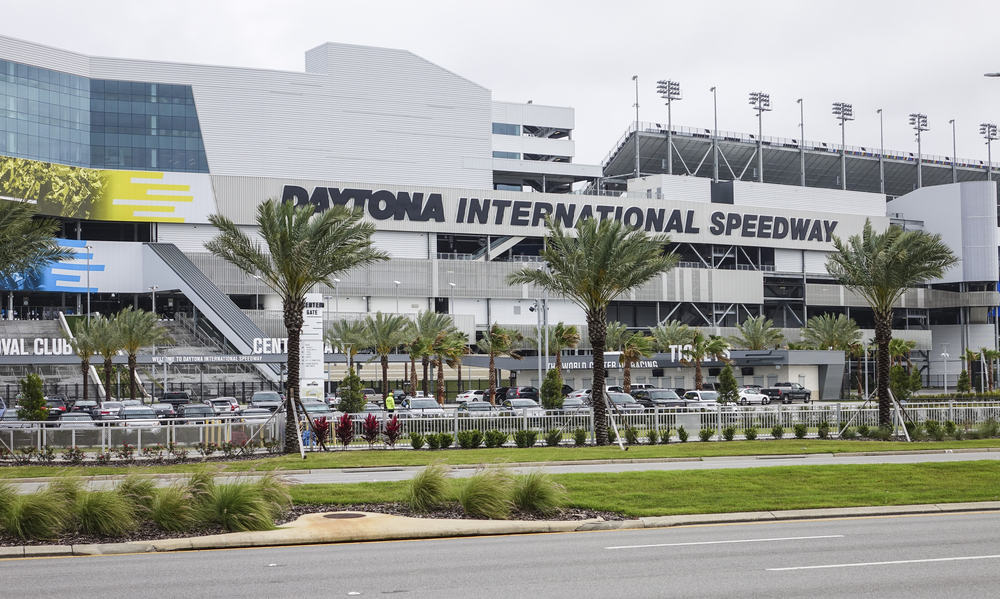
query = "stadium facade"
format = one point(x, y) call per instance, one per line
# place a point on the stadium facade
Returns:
point(133, 156)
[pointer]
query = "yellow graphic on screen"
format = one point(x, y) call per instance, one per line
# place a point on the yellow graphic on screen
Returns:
point(86, 193)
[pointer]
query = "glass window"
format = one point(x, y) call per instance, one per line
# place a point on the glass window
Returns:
point(506, 129)
point(511, 155)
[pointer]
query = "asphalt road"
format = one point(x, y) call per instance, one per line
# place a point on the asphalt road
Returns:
point(955, 555)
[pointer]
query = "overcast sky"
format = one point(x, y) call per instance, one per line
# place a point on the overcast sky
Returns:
point(902, 56)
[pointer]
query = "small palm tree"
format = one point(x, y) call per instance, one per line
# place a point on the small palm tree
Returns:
point(561, 337)
point(416, 347)
point(670, 332)
point(702, 348)
point(899, 351)
point(831, 331)
point(636, 347)
point(107, 342)
point(615, 338)
point(991, 357)
point(301, 250)
point(27, 243)
point(84, 345)
point(498, 342)
point(592, 268)
point(137, 329)
point(757, 332)
point(428, 325)
point(387, 332)
point(880, 267)
point(448, 346)
point(350, 336)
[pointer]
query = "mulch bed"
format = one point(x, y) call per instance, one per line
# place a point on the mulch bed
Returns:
point(147, 531)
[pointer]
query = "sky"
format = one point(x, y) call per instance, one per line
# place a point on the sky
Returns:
point(901, 56)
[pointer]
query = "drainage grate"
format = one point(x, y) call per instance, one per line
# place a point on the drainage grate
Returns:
point(343, 515)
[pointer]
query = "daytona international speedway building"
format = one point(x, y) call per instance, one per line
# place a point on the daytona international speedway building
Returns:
point(133, 156)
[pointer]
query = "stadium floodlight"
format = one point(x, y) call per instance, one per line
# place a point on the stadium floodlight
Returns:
point(954, 151)
point(715, 134)
point(669, 91)
point(802, 142)
point(881, 152)
point(635, 78)
point(919, 123)
point(989, 132)
point(843, 112)
point(761, 102)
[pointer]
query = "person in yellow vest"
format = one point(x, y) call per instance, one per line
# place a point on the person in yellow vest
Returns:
point(390, 403)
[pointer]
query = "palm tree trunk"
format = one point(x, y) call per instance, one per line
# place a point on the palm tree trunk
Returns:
point(697, 374)
point(559, 363)
point(459, 377)
point(413, 374)
point(627, 377)
point(883, 334)
point(385, 376)
point(426, 362)
point(85, 370)
point(493, 380)
point(131, 376)
point(107, 379)
point(597, 330)
point(440, 380)
point(293, 324)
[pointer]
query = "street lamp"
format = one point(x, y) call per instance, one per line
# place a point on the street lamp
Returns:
point(88, 248)
point(715, 134)
point(152, 289)
point(881, 153)
point(760, 102)
point(843, 112)
point(452, 304)
point(919, 123)
point(954, 151)
point(636, 79)
point(945, 356)
point(256, 293)
point(669, 91)
point(989, 132)
point(802, 142)
point(336, 297)
point(396, 283)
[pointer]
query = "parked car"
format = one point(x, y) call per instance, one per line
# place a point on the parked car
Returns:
point(422, 407)
point(573, 405)
point(9, 419)
point(708, 398)
point(788, 392)
point(749, 395)
point(164, 410)
point(84, 406)
point(256, 415)
point(108, 410)
point(224, 406)
point(478, 408)
point(371, 395)
point(523, 407)
point(519, 392)
point(624, 402)
point(195, 413)
point(317, 409)
point(137, 416)
point(81, 420)
point(399, 395)
point(471, 395)
point(265, 399)
point(659, 398)
point(131, 402)
point(176, 398)
point(55, 408)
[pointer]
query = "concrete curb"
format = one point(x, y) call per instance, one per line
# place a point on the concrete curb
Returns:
point(317, 528)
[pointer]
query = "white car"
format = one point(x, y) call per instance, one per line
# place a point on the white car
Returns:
point(523, 406)
point(470, 395)
point(751, 395)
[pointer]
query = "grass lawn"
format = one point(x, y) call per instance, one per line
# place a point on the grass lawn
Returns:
point(407, 457)
point(753, 489)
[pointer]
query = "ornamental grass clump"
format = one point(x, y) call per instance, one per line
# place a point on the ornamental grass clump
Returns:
point(487, 494)
point(138, 491)
point(173, 508)
point(66, 488)
point(236, 506)
point(536, 492)
point(274, 491)
point(429, 488)
point(41, 515)
point(103, 513)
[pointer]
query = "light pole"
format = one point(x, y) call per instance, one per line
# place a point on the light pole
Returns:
point(881, 154)
point(152, 289)
point(537, 309)
point(989, 132)
point(945, 356)
point(760, 102)
point(256, 293)
point(396, 283)
point(715, 135)
point(669, 91)
point(802, 142)
point(919, 123)
point(336, 297)
point(451, 304)
point(843, 112)
point(954, 150)
point(636, 79)
point(88, 248)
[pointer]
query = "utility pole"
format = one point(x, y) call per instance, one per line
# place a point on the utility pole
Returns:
point(669, 91)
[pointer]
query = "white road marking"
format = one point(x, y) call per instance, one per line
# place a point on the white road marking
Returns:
point(890, 563)
point(725, 542)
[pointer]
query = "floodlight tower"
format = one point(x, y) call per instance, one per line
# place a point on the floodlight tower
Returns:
point(760, 102)
point(989, 132)
point(669, 91)
point(919, 123)
point(843, 112)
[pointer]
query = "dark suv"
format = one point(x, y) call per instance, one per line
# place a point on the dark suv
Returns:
point(522, 393)
point(176, 398)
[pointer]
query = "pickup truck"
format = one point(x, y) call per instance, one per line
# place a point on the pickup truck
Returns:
point(787, 392)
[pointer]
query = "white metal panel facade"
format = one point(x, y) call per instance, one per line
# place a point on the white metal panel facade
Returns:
point(192, 238)
point(787, 260)
point(401, 244)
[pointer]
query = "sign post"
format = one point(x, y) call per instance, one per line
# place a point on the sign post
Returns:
point(311, 371)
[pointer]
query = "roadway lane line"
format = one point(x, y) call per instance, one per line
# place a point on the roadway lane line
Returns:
point(890, 563)
point(725, 542)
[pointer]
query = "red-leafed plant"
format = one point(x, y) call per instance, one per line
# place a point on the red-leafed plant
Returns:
point(321, 426)
point(344, 429)
point(371, 429)
point(393, 429)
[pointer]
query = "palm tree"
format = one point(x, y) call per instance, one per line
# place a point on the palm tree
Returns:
point(880, 267)
point(636, 347)
point(498, 342)
point(137, 329)
point(615, 337)
point(387, 332)
point(84, 345)
point(107, 343)
point(831, 331)
point(899, 350)
point(757, 332)
point(301, 250)
point(991, 357)
point(858, 351)
point(670, 332)
point(702, 348)
point(350, 336)
point(27, 243)
point(428, 325)
point(562, 336)
point(448, 346)
point(416, 347)
point(603, 260)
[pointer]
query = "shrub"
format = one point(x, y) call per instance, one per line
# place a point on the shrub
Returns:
point(470, 439)
point(24, 455)
point(950, 428)
point(344, 429)
point(537, 492)
point(349, 390)
point(320, 428)
point(580, 437)
point(882, 433)
point(393, 430)
point(433, 441)
point(989, 429)
point(964, 385)
point(631, 435)
point(495, 438)
point(706, 434)
point(525, 438)
point(800, 430)
point(428, 488)
point(864, 430)
point(777, 431)
point(65, 489)
point(728, 390)
point(445, 440)
point(487, 494)
point(47, 455)
point(682, 434)
point(206, 449)
point(173, 508)
point(848, 433)
point(416, 440)
point(915, 431)
point(934, 430)
point(553, 437)
point(371, 429)
point(126, 452)
point(750, 433)
point(104, 458)
point(39, 515)
point(230, 449)
point(551, 392)
point(665, 436)
point(652, 436)
point(728, 433)
point(31, 405)
point(153, 453)
point(612, 435)
point(103, 513)
point(138, 492)
point(823, 430)
point(236, 506)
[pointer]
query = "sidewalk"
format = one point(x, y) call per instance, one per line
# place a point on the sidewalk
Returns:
point(346, 527)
